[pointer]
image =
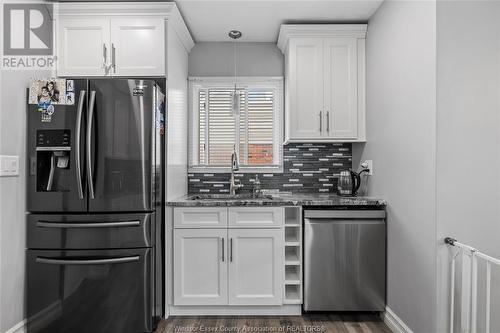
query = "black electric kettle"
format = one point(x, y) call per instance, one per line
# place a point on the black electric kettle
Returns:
point(349, 182)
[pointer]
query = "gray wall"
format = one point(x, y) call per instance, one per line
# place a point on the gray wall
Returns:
point(12, 197)
point(252, 59)
point(401, 131)
point(468, 140)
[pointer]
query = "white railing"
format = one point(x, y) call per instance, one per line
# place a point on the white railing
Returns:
point(471, 325)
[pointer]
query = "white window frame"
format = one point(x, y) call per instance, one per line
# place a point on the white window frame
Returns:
point(197, 83)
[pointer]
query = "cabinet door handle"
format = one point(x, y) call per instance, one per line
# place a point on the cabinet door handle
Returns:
point(104, 55)
point(320, 122)
point(222, 249)
point(328, 121)
point(231, 250)
point(113, 57)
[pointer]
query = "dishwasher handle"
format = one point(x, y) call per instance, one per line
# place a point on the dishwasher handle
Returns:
point(344, 214)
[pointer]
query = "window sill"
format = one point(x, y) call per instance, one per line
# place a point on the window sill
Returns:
point(207, 169)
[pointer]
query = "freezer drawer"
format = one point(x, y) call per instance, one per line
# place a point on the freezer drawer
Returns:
point(344, 261)
point(98, 291)
point(90, 231)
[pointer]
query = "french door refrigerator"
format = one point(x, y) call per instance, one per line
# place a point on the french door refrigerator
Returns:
point(95, 210)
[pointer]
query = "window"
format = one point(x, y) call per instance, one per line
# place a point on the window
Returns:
point(255, 132)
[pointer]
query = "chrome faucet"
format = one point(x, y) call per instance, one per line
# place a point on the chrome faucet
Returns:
point(235, 166)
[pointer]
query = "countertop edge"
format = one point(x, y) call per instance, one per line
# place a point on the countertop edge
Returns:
point(280, 201)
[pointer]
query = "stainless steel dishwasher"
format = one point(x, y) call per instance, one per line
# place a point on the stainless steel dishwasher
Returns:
point(344, 260)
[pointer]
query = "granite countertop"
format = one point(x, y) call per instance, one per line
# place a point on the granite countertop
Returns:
point(276, 199)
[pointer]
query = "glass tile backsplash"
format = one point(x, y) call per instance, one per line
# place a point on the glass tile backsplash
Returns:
point(307, 168)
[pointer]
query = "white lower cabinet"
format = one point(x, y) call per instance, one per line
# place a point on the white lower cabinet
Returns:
point(200, 267)
point(228, 266)
point(256, 266)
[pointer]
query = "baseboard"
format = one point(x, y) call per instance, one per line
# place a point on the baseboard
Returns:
point(280, 310)
point(395, 324)
point(20, 327)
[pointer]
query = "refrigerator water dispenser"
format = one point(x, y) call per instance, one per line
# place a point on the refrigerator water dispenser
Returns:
point(53, 160)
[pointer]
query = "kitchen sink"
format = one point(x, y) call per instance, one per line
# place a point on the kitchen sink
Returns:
point(245, 196)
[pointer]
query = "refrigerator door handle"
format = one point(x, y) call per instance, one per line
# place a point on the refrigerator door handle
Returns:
point(45, 224)
point(53, 261)
point(90, 177)
point(78, 129)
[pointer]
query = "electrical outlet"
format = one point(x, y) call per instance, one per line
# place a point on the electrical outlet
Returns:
point(368, 164)
point(9, 165)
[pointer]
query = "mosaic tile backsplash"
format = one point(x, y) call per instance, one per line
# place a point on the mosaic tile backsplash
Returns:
point(307, 168)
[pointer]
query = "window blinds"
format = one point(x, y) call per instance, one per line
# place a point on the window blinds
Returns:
point(217, 130)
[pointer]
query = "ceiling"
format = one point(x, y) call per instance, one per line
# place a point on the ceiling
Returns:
point(259, 20)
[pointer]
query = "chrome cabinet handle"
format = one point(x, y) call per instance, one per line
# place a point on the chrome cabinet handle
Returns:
point(53, 261)
point(113, 57)
point(78, 129)
point(90, 177)
point(46, 224)
point(104, 55)
point(223, 249)
point(328, 121)
point(231, 250)
point(320, 122)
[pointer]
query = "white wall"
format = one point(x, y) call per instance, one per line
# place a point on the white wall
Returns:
point(468, 138)
point(401, 131)
point(177, 118)
point(252, 59)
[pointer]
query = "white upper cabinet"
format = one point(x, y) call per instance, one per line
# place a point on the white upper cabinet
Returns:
point(116, 39)
point(138, 46)
point(305, 88)
point(325, 79)
point(340, 80)
point(83, 46)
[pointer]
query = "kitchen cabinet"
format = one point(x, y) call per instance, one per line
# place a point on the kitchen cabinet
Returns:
point(325, 79)
point(82, 46)
point(200, 266)
point(116, 39)
point(200, 217)
point(340, 99)
point(111, 47)
point(305, 89)
point(231, 265)
point(255, 267)
point(138, 46)
point(250, 217)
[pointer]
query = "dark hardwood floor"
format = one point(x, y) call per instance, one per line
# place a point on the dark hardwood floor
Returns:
point(323, 323)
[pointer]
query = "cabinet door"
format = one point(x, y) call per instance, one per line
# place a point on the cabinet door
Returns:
point(341, 89)
point(256, 266)
point(82, 46)
point(138, 47)
point(200, 217)
point(200, 267)
point(305, 88)
point(255, 217)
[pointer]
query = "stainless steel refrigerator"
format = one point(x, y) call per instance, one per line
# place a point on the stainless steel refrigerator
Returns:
point(95, 209)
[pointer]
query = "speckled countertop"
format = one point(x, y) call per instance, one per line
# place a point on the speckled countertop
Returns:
point(280, 199)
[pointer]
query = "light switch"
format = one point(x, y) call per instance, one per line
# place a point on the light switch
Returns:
point(9, 165)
